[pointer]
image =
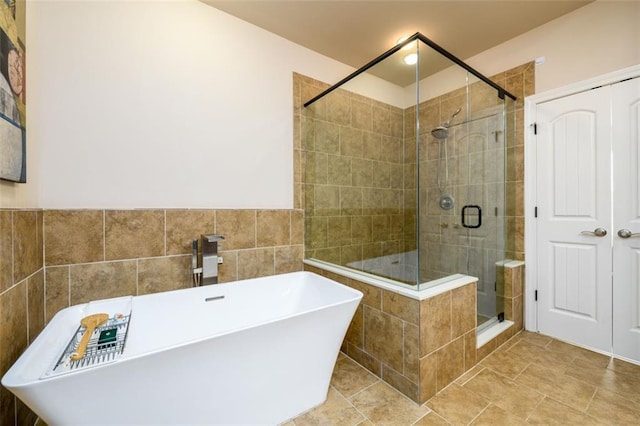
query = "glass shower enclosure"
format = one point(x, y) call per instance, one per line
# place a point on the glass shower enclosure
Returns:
point(405, 172)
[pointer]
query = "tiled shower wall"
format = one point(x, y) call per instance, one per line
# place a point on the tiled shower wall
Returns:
point(21, 298)
point(354, 191)
point(94, 254)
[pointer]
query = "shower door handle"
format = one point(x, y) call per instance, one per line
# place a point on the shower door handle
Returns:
point(465, 213)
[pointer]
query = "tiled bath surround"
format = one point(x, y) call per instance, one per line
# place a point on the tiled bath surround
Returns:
point(21, 298)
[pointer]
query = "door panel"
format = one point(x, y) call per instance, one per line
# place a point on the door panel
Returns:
point(626, 251)
point(573, 199)
point(574, 283)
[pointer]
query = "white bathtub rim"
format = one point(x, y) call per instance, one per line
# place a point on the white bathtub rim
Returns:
point(436, 287)
point(24, 381)
point(253, 325)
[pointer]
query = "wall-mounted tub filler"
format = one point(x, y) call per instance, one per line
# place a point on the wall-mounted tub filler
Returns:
point(192, 356)
point(205, 259)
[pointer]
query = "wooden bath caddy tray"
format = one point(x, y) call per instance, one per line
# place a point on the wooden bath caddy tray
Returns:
point(105, 343)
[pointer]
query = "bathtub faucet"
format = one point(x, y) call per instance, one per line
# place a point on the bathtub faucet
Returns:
point(205, 259)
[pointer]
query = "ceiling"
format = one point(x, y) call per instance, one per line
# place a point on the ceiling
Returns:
point(355, 32)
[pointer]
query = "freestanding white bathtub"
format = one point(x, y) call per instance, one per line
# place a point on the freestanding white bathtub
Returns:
point(261, 354)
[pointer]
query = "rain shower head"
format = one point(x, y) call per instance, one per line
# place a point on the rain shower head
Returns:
point(442, 131)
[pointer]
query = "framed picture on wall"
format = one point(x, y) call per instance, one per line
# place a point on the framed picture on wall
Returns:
point(13, 161)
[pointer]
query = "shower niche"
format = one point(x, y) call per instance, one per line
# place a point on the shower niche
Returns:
point(404, 173)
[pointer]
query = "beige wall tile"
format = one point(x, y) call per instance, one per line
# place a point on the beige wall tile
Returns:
point(35, 298)
point(339, 170)
point(355, 332)
point(13, 339)
point(361, 115)
point(340, 111)
point(327, 137)
point(401, 383)
point(372, 296)
point(364, 359)
point(435, 322)
point(6, 250)
point(428, 376)
point(96, 281)
point(24, 415)
point(288, 259)
point(228, 270)
point(164, 274)
point(26, 244)
point(297, 227)
point(7, 406)
point(411, 352)
point(131, 234)
point(470, 341)
point(518, 313)
point(339, 230)
point(57, 290)
point(463, 303)
point(238, 227)
point(255, 263)
point(73, 236)
point(400, 306)
point(273, 228)
point(450, 362)
point(335, 277)
point(485, 350)
point(383, 337)
point(184, 226)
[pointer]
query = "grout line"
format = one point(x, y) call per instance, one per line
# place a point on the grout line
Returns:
point(366, 387)
point(472, 377)
point(26, 283)
point(591, 399)
point(520, 373)
point(165, 231)
point(68, 285)
point(481, 411)
point(544, 396)
point(104, 235)
point(351, 403)
point(13, 256)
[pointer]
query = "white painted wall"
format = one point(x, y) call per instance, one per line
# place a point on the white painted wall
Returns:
point(601, 37)
point(162, 104)
point(175, 104)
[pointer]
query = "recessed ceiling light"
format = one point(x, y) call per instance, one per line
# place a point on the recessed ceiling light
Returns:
point(410, 59)
point(408, 46)
point(401, 39)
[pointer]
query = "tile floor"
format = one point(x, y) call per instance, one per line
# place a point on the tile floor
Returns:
point(531, 379)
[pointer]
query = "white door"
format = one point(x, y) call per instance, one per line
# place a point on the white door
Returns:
point(626, 218)
point(574, 232)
